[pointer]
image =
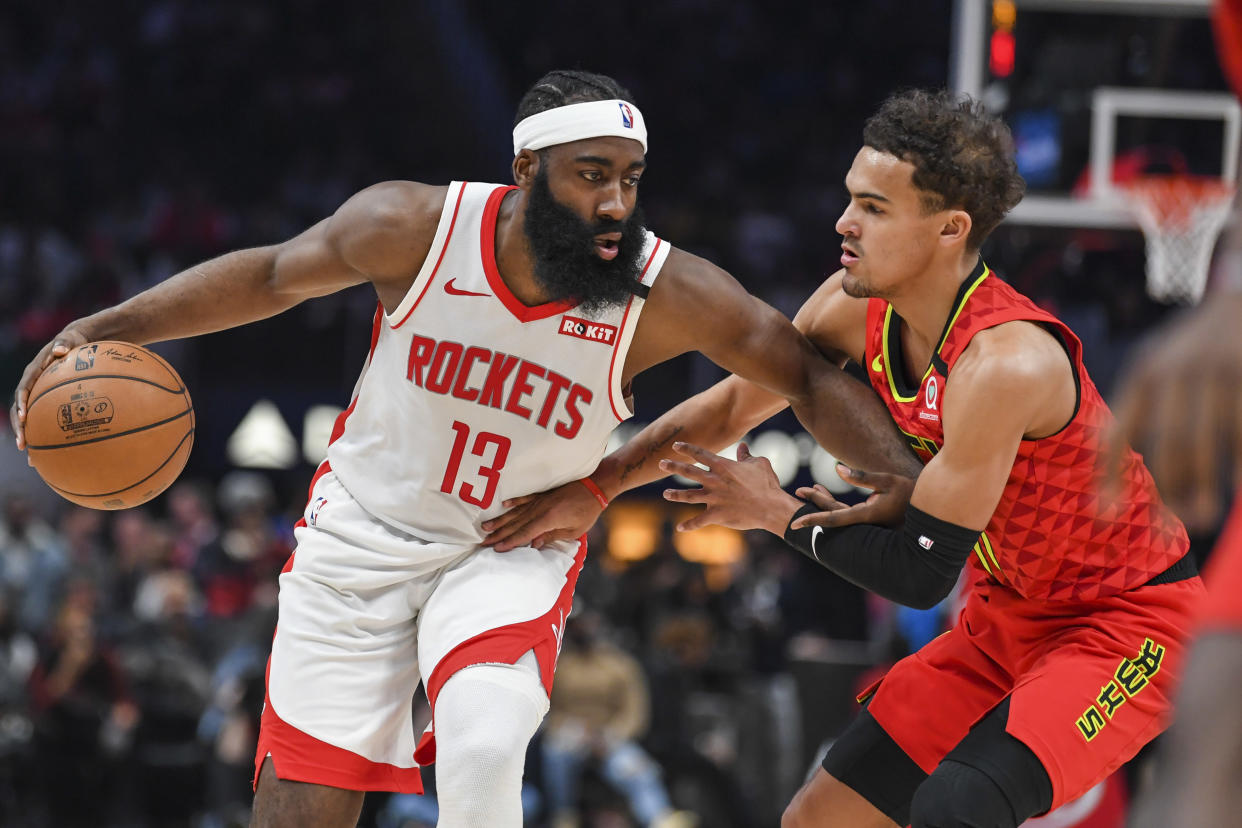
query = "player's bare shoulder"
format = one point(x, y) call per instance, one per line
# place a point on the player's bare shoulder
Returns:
point(692, 304)
point(691, 290)
point(1025, 365)
point(386, 230)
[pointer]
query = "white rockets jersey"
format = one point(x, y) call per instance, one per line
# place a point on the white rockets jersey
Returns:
point(470, 397)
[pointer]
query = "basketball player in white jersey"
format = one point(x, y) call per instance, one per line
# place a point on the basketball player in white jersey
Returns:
point(510, 323)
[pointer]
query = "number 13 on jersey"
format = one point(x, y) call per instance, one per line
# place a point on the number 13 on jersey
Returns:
point(489, 468)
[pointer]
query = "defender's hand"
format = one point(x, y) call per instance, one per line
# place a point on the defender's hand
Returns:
point(66, 341)
point(1179, 404)
point(886, 506)
point(563, 513)
point(741, 494)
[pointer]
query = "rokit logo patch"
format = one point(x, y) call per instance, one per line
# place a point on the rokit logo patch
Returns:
point(586, 329)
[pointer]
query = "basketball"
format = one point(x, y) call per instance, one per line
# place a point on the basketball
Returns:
point(110, 426)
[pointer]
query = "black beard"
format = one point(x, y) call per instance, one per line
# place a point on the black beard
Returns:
point(563, 248)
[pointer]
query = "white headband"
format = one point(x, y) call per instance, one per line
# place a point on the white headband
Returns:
point(594, 119)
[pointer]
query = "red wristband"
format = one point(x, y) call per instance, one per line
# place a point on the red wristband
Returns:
point(595, 490)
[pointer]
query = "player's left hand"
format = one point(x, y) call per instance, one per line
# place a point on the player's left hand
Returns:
point(741, 494)
point(563, 513)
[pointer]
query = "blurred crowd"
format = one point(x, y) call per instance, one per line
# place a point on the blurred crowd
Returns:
point(133, 647)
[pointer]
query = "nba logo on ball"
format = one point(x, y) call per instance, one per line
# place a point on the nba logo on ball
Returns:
point(627, 117)
point(85, 358)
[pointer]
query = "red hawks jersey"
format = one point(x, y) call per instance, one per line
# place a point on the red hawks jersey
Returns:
point(1054, 536)
point(469, 397)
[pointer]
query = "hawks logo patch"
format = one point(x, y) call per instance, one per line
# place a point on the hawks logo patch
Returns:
point(586, 329)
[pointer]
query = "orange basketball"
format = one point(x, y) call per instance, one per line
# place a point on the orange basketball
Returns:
point(109, 426)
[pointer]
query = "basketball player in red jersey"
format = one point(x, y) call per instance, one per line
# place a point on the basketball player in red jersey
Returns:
point(529, 311)
point(1059, 667)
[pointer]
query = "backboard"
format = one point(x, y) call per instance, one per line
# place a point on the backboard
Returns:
point(1097, 89)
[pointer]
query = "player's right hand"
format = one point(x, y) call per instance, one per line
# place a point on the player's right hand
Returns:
point(1179, 404)
point(885, 506)
point(563, 513)
point(65, 341)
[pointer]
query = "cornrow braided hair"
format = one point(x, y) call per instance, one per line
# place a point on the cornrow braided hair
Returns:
point(562, 87)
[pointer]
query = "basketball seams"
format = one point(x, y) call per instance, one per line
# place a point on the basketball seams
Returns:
point(172, 373)
point(30, 405)
point(189, 435)
point(105, 437)
point(122, 458)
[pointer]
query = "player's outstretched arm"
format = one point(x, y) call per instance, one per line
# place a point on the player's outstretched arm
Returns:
point(714, 418)
point(985, 420)
point(380, 235)
point(724, 413)
point(750, 339)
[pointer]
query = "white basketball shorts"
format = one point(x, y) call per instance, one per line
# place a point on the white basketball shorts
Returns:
point(367, 611)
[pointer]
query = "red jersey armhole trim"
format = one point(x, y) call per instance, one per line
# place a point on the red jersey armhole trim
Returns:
point(444, 247)
point(524, 313)
point(612, 364)
point(338, 428)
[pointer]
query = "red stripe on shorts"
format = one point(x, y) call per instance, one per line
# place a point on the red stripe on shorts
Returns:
point(505, 645)
point(299, 757)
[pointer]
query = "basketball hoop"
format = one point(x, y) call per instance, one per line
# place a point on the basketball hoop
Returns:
point(1181, 216)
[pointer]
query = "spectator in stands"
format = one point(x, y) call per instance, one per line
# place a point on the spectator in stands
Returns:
point(166, 660)
point(193, 519)
point(599, 712)
point(32, 562)
point(18, 655)
point(84, 715)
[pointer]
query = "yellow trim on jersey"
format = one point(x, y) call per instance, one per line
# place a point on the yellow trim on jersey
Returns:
point(990, 564)
point(888, 362)
point(917, 442)
point(986, 543)
point(987, 271)
point(983, 561)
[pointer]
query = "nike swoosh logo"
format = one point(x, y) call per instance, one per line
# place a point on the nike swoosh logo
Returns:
point(453, 291)
point(877, 364)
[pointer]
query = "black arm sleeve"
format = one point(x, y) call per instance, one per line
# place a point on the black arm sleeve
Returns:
point(916, 565)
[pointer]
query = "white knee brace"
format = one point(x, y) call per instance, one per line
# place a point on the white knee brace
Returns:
point(484, 718)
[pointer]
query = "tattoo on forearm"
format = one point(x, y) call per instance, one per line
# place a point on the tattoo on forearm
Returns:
point(653, 448)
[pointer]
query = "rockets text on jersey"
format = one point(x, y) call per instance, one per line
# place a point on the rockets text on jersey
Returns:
point(469, 397)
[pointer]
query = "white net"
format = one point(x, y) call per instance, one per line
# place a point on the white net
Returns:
point(1181, 217)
